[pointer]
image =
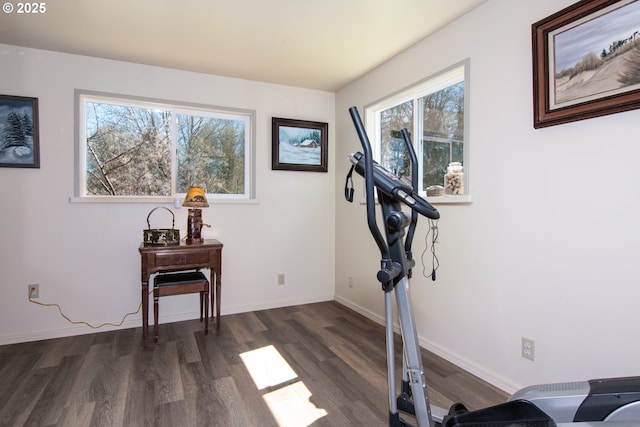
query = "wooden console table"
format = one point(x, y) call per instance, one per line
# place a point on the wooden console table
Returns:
point(155, 259)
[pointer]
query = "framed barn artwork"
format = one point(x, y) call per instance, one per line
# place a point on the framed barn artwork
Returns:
point(299, 145)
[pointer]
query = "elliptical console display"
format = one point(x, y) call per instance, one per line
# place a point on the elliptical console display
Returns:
point(395, 187)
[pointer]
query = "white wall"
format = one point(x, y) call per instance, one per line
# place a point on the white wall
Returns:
point(85, 255)
point(549, 246)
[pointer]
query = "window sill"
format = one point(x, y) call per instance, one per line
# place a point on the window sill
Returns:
point(450, 200)
point(157, 200)
point(464, 199)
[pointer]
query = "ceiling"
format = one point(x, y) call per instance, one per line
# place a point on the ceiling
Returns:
point(316, 44)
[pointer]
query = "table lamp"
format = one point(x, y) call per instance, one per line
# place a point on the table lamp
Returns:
point(195, 199)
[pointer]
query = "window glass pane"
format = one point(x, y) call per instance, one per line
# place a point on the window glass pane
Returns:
point(145, 148)
point(127, 150)
point(394, 156)
point(211, 153)
point(443, 132)
point(433, 111)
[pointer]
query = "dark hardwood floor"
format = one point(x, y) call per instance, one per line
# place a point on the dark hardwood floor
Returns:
point(316, 364)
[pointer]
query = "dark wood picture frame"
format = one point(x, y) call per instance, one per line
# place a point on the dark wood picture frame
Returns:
point(567, 88)
point(19, 141)
point(299, 145)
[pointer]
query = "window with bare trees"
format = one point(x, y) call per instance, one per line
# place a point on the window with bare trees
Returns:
point(149, 148)
point(435, 112)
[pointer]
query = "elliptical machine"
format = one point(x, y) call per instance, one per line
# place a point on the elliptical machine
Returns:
point(597, 403)
point(394, 265)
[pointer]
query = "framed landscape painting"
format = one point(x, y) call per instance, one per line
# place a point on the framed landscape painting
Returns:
point(19, 145)
point(299, 145)
point(586, 61)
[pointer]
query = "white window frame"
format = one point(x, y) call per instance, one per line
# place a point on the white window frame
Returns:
point(450, 76)
point(82, 97)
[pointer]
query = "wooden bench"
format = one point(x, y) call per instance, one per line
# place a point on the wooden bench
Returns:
point(179, 284)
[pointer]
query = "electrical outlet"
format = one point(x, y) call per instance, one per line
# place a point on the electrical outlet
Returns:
point(528, 348)
point(281, 279)
point(350, 282)
point(34, 291)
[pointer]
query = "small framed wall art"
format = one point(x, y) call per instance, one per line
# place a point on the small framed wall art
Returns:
point(299, 145)
point(19, 142)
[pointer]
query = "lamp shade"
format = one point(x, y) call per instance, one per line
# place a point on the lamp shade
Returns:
point(195, 198)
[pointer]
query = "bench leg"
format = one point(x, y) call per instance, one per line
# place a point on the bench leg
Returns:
point(206, 312)
point(201, 304)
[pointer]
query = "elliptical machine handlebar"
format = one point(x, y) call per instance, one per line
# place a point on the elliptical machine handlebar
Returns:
point(414, 182)
point(393, 190)
point(366, 170)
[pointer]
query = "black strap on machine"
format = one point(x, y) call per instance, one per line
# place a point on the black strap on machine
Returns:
point(348, 185)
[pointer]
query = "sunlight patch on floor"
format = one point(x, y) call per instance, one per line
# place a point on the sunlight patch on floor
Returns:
point(267, 367)
point(290, 404)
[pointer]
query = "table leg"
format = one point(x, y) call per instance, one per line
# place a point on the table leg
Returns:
point(218, 298)
point(215, 297)
point(212, 294)
point(145, 310)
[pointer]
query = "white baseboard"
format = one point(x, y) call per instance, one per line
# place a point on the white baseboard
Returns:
point(359, 309)
point(63, 332)
point(74, 330)
point(267, 305)
point(446, 354)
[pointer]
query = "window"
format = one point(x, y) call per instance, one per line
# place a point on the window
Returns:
point(148, 149)
point(433, 111)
